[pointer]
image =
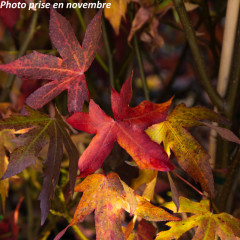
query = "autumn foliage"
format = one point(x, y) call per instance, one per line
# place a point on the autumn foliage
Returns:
point(139, 149)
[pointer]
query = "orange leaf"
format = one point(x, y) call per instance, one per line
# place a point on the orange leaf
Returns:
point(106, 196)
point(115, 13)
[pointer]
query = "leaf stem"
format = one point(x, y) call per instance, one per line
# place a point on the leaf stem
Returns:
point(109, 54)
point(188, 183)
point(29, 35)
point(69, 219)
point(81, 20)
point(141, 69)
point(200, 67)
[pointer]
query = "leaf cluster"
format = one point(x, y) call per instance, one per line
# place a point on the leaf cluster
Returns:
point(139, 130)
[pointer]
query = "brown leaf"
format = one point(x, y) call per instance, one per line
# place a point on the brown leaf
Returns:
point(224, 133)
point(141, 17)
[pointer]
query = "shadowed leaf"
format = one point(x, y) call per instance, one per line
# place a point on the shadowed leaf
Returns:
point(43, 129)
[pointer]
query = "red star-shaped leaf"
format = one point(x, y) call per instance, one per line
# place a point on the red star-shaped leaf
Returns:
point(127, 129)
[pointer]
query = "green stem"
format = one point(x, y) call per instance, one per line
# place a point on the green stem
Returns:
point(81, 20)
point(109, 54)
point(79, 15)
point(141, 69)
point(79, 233)
point(69, 219)
point(11, 78)
point(200, 67)
point(125, 65)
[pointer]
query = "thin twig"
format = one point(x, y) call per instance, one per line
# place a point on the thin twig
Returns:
point(189, 184)
point(200, 67)
point(141, 68)
point(80, 17)
point(227, 187)
point(29, 35)
point(211, 29)
point(109, 54)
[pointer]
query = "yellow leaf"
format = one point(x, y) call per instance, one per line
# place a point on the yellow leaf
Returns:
point(148, 177)
point(209, 225)
point(6, 136)
point(115, 13)
point(191, 156)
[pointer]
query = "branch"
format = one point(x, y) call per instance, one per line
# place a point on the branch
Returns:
point(200, 68)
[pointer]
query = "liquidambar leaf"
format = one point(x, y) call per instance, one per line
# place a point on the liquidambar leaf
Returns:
point(6, 137)
point(106, 196)
point(29, 145)
point(66, 73)
point(148, 177)
point(115, 13)
point(208, 225)
point(191, 156)
point(127, 129)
